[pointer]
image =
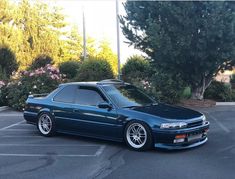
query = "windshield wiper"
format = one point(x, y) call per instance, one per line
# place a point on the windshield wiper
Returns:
point(131, 106)
point(152, 104)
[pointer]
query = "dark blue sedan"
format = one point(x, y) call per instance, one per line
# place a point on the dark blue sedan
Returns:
point(118, 111)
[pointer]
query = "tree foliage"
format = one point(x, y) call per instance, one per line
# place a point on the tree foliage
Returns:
point(72, 46)
point(8, 63)
point(193, 40)
point(41, 61)
point(32, 28)
point(105, 52)
point(164, 87)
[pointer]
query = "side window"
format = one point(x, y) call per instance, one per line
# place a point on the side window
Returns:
point(66, 95)
point(89, 96)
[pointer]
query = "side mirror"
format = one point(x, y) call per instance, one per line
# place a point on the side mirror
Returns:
point(104, 105)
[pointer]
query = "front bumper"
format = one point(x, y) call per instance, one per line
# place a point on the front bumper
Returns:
point(164, 138)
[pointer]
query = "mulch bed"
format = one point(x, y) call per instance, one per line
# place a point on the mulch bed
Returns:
point(197, 103)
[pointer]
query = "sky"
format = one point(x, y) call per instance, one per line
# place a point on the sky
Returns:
point(100, 18)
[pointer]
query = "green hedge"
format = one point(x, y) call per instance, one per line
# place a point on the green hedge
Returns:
point(69, 68)
point(220, 91)
point(94, 69)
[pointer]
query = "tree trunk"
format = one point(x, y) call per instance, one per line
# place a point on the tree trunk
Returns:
point(198, 91)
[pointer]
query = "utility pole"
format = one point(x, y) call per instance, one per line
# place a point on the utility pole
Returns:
point(84, 34)
point(118, 40)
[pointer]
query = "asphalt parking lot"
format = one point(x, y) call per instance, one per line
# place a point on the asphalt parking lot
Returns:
point(26, 154)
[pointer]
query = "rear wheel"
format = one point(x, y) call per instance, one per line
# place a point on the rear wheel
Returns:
point(46, 124)
point(138, 136)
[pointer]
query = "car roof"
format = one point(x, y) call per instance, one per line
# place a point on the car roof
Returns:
point(95, 83)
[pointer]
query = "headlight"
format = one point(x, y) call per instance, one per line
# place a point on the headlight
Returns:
point(173, 125)
point(203, 119)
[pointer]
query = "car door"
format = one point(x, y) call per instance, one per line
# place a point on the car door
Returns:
point(92, 120)
point(62, 109)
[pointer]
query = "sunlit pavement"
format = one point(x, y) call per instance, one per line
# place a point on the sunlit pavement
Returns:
point(26, 154)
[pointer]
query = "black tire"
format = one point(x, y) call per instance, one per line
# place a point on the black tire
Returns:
point(51, 124)
point(145, 130)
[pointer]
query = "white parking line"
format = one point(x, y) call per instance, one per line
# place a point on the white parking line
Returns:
point(7, 127)
point(23, 130)
point(11, 115)
point(21, 136)
point(24, 124)
point(98, 152)
point(218, 122)
point(51, 145)
point(44, 155)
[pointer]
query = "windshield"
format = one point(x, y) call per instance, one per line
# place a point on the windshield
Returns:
point(127, 95)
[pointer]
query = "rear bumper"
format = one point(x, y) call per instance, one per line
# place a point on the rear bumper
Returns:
point(165, 138)
point(30, 117)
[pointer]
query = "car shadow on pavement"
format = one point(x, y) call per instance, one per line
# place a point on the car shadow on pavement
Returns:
point(91, 140)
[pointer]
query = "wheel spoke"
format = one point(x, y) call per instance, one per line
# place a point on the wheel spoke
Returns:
point(139, 141)
point(138, 129)
point(133, 129)
point(47, 128)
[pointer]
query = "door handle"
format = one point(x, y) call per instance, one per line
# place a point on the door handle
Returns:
point(76, 110)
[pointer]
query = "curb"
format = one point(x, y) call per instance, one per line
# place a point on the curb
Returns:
point(225, 103)
point(4, 108)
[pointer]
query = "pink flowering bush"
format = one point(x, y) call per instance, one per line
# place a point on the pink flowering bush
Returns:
point(37, 81)
point(2, 83)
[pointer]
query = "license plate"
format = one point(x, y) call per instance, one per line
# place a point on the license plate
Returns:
point(194, 137)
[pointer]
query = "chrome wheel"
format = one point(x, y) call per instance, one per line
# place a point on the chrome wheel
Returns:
point(45, 124)
point(136, 135)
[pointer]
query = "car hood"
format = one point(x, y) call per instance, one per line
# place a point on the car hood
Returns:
point(168, 111)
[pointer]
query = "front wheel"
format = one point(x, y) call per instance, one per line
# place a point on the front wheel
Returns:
point(46, 124)
point(138, 136)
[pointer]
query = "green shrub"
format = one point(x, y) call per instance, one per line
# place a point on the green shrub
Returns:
point(233, 95)
point(94, 70)
point(186, 94)
point(168, 88)
point(69, 68)
point(219, 91)
point(135, 69)
point(3, 101)
point(8, 63)
point(41, 61)
point(41, 80)
point(3, 75)
point(232, 79)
